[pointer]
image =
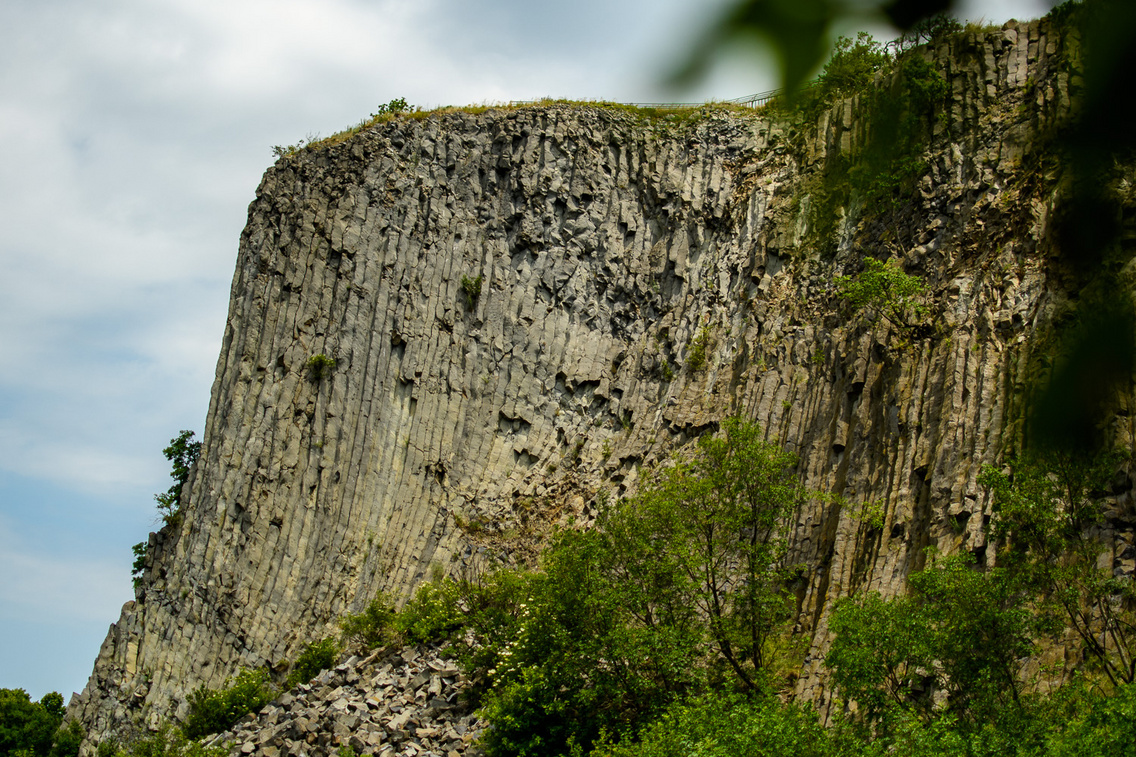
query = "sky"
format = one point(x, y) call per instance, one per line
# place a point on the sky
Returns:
point(133, 134)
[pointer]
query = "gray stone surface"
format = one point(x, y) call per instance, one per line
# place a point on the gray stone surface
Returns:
point(374, 708)
point(605, 244)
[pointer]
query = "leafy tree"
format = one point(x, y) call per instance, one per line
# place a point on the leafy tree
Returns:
point(852, 66)
point(1045, 511)
point(883, 290)
point(881, 655)
point(714, 524)
point(981, 632)
point(925, 30)
point(961, 631)
point(678, 586)
point(28, 727)
point(182, 454)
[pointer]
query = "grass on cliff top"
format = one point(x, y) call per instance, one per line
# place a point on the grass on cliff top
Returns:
point(668, 114)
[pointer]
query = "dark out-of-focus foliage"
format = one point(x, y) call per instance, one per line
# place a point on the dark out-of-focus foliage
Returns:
point(798, 31)
point(1096, 343)
point(1092, 340)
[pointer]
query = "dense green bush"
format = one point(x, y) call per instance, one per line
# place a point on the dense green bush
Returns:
point(580, 663)
point(374, 627)
point(852, 67)
point(393, 108)
point(67, 740)
point(697, 349)
point(962, 632)
point(1096, 725)
point(433, 613)
point(728, 725)
point(215, 710)
point(317, 656)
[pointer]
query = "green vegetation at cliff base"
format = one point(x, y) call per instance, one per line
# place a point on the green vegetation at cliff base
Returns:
point(668, 629)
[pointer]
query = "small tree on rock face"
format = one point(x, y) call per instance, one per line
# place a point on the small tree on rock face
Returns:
point(471, 290)
point(883, 290)
point(320, 366)
point(1045, 511)
point(930, 29)
point(393, 108)
point(182, 454)
point(852, 66)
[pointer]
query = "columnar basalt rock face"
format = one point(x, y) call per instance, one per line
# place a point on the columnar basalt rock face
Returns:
point(607, 247)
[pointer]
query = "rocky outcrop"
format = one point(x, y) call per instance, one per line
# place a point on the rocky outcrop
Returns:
point(458, 424)
point(406, 702)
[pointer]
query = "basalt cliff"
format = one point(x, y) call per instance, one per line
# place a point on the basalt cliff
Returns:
point(523, 307)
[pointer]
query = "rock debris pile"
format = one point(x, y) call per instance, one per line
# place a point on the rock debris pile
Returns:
point(408, 702)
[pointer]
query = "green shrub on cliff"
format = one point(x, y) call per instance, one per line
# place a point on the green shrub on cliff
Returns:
point(182, 453)
point(884, 290)
point(320, 366)
point(964, 632)
point(729, 725)
point(471, 290)
point(432, 614)
point(317, 656)
point(374, 627)
point(214, 710)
